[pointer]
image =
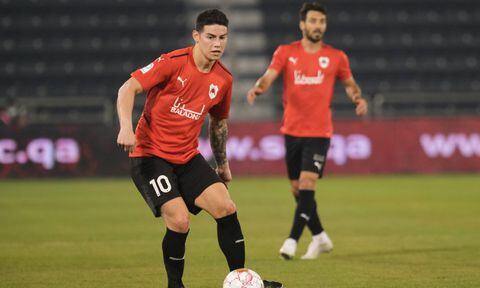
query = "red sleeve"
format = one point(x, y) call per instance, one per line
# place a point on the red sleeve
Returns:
point(222, 108)
point(343, 71)
point(154, 73)
point(279, 59)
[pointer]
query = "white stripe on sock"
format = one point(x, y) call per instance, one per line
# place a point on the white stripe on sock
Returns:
point(305, 216)
point(177, 259)
point(240, 241)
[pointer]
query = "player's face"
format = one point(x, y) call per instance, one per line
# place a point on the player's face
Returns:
point(212, 41)
point(314, 26)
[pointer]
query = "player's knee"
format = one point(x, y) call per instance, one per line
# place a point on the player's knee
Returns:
point(307, 183)
point(228, 207)
point(180, 223)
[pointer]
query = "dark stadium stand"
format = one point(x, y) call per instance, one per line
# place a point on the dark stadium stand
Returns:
point(399, 44)
point(425, 52)
point(77, 48)
point(410, 56)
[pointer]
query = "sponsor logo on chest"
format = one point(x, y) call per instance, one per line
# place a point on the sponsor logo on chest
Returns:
point(179, 107)
point(301, 78)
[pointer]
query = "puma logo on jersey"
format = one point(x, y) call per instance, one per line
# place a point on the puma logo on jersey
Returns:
point(293, 60)
point(182, 80)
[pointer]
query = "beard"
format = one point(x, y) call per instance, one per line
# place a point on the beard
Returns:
point(314, 38)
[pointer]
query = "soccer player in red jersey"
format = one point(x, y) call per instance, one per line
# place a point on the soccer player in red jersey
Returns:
point(310, 68)
point(182, 87)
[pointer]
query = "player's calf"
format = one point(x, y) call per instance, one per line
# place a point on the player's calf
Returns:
point(173, 247)
point(231, 241)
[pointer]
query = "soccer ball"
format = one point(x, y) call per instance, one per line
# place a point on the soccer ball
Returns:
point(243, 278)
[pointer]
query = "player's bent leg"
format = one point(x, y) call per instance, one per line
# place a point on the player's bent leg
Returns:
point(314, 224)
point(309, 180)
point(320, 243)
point(176, 217)
point(217, 202)
point(306, 203)
point(303, 213)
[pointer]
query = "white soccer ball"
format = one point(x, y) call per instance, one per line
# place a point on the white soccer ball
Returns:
point(243, 278)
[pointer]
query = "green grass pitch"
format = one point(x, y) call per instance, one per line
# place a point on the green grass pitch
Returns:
point(388, 231)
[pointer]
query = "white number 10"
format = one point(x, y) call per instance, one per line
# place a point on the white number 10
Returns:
point(164, 185)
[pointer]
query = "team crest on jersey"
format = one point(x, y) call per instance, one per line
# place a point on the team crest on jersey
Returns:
point(323, 62)
point(146, 68)
point(212, 91)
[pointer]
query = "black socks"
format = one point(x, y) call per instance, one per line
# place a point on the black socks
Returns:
point(173, 247)
point(314, 225)
point(303, 212)
point(230, 239)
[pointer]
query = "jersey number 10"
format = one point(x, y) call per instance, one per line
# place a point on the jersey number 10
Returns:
point(161, 186)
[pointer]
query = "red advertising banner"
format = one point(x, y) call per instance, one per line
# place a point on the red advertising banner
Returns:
point(423, 145)
point(61, 151)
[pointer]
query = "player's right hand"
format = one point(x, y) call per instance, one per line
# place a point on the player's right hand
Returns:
point(253, 93)
point(361, 107)
point(224, 172)
point(126, 140)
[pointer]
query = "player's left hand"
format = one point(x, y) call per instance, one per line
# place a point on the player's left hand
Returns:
point(362, 107)
point(224, 173)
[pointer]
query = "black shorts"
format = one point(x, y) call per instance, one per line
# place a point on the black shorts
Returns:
point(306, 154)
point(160, 181)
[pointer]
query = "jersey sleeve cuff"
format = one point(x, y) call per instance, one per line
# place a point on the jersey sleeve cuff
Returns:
point(134, 75)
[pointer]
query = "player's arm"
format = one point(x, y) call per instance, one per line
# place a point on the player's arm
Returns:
point(262, 85)
point(218, 143)
point(125, 101)
point(355, 94)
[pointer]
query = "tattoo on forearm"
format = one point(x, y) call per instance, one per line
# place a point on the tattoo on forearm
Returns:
point(218, 140)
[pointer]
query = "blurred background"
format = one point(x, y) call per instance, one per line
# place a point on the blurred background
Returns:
point(394, 224)
point(62, 62)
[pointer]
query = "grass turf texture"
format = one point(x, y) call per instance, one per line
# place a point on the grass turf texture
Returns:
point(405, 231)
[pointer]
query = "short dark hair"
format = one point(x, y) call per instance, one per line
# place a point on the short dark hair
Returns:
point(311, 6)
point(211, 17)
